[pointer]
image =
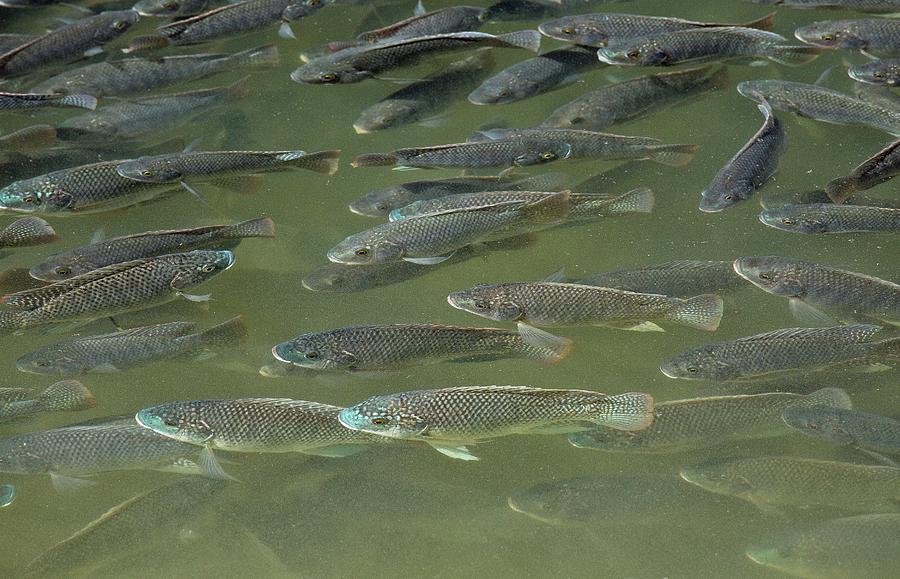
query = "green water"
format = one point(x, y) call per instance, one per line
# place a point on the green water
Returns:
point(407, 510)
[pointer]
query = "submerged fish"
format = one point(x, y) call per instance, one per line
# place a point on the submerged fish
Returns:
point(401, 345)
point(447, 419)
point(127, 349)
point(882, 72)
point(7, 495)
point(12, 101)
point(441, 21)
point(680, 278)
point(871, 35)
point(551, 303)
point(31, 139)
point(845, 427)
point(65, 396)
point(857, 5)
point(680, 425)
point(790, 350)
point(831, 218)
point(749, 169)
point(471, 155)
point(810, 286)
point(339, 277)
point(170, 8)
point(27, 231)
point(880, 167)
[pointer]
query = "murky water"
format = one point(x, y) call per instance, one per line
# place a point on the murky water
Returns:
point(405, 509)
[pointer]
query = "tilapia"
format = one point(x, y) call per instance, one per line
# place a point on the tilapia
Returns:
point(441, 21)
point(395, 346)
point(876, 6)
point(65, 396)
point(339, 277)
point(170, 8)
point(789, 350)
point(11, 41)
point(27, 231)
point(870, 35)
point(30, 140)
point(882, 72)
point(535, 76)
point(681, 425)
point(831, 218)
point(880, 167)
point(844, 427)
point(631, 99)
point(472, 155)
point(680, 278)
point(131, 348)
point(810, 286)
point(822, 104)
point(13, 101)
point(447, 419)
point(750, 168)
point(553, 303)
point(114, 289)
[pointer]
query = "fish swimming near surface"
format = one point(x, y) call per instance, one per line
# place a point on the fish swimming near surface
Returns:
point(880, 167)
point(874, 434)
point(880, 36)
point(831, 218)
point(880, 72)
point(27, 231)
point(513, 152)
point(875, 6)
point(170, 8)
point(11, 101)
point(64, 396)
point(681, 278)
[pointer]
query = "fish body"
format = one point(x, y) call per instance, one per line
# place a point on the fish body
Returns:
point(783, 351)
point(681, 278)
point(875, 6)
point(27, 231)
point(342, 278)
point(831, 218)
point(845, 427)
point(552, 303)
point(176, 167)
point(880, 167)
point(170, 8)
point(68, 395)
point(130, 348)
point(472, 155)
point(882, 72)
point(680, 425)
point(11, 101)
point(850, 295)
point(750, 168)
point(872, 35)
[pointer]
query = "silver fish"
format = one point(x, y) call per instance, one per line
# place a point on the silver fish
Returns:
point(11, 101)
point(870, 35)
point(841, 426)
point(830, 218)
point(882, 72)
point(680, 278)
point(880, 167)
point(64, 396)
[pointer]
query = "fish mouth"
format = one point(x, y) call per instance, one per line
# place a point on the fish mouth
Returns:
point(668, 372)
point(452, 300)
point(278, 356)
point(711, 205)
point(511, 503)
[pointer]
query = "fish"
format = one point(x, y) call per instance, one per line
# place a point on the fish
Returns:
point(27, 231)
point(875, 6)
point(566, 304)
point(859, 546)
point(31, 139)
point(170, 8)
point(880, 167)
point(138, 75)
point(602, 30)
point(65, 396)
point(449, 418)
point(790, 481)
point(870, 35)
point(136, 521)
point(342, 278)
point(102, 253)
point(431, 239)
point(356, 64)
point(68, 42)
point(13, 101)
point(535, 76)
point(863, 199)
point(872, 433)
point(583, 206)
point(707, 44)
point(750, 168)
point(472, 155)
point(632, 99)
point(831, 218)
point(11, 41)
point(810, 287)
point(8, 494)
point(380, 202)
point(784, 351)
point(424, 100)
point(441, 21)
point(388, 347)
point(680, 278)
point(131, 348)
point(880, 72)
point(114, 289)
point(683, 425)
point(822, 104)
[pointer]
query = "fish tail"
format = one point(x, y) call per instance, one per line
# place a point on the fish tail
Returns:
point(29, 230)
point(673, 155)
point(321, 162)
point(527, 39)
point(261, 56)
point(228, 333)
point(374, 160)
point(552, 349)
point(260, 227)
point(767, 22)
point(84, 101)
point(841, 189)
point(638, 200)
point(239, 89)
point(833, 397)
point(629, 411)
point(703, 312)
point(67, 395)
point(793, 55)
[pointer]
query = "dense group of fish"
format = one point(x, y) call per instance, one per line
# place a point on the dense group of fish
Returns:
point(849, 320)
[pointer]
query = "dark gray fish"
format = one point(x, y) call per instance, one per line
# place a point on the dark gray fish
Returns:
point(822, 104)
point(707, 44)
point(138, 75)
point(65, 396)
point(32, 139)
point(860, 546)
point(388, 347)
point(683, 425)
point(882, 72)
point(27, 231)
point(441, 21)
point(681, 278)
point(449, 418)
point(785, 351)
point(876, 6)
point(831, 218)
point(553, 303)
point(128, 349)
point(11, 101)
point(880, 167)
point(810, 286)
point(426, 98)
point(359, 63)
point(750, 168)
point(870, 35)
point(115, 250)
point(490, 153)
point(170, 8)
point(844, 427)
point(10, 41)
point(610, 29)
point(113, 290)
point(67, 42)
point(631, 99)
point(535, 76)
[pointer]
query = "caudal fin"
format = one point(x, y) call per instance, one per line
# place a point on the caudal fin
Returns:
point(527, 39)
point(673, 155)
point(550, 209)
point(66, 395)
point(260, 227)
point(26, 231)
point(629, 411)
point(638, 200)
point(840, 189)
point(374, 160)
point(322, 162)
point(767, 22)
point(225, 334)
point(83, 101)
point(550, 348)
point(794, 55)
point(703, 312)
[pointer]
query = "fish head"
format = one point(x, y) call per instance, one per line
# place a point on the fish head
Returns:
point(115, 23)
point(380, 202)
point(384, 115)
point(875, 72)
point(575, 29)
point(182, 421)
point(795, 218)
point(53, 270)
point(717, 478)
point(545, 152)
point(150, 170)
point(698, 364)
point(23, 196)
point(498, 90)
point(488, 301)
point(389, 415)
point(90, 124)
point(195, 267)
point(49, 360)
point(163, 7)
point(323, 70)
point(554, 503)
point(366, 247)
point(718, 199)
point(776, 275)
point(298, 9)
point(320, 351)
point(831, 34)
point(819, 422)
point(646, 53)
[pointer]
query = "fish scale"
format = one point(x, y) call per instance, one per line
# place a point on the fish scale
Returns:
point(681, 278)
point(491, 153)
point(178, 166)
point(880, 167)
point(831, 218)
point(881, 35)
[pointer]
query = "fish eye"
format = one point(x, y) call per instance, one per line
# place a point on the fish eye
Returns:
point(878, 74)
point(43, 363)
point(311, 355)
point(765, 275)
point(29, 199)
point(577, 120)
point(482, 305)
point(548, 155)
point(170, 422)
point(567, 30)
point(61, 270)
point(147, 173)
point(729, 197)
point(828, 37)
point(120, 25)
point(379, 421)
point(362, 252)
point(208, 268)
point(328, 77)
point(693, 369)
point(788, 221)
point(633, 54)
